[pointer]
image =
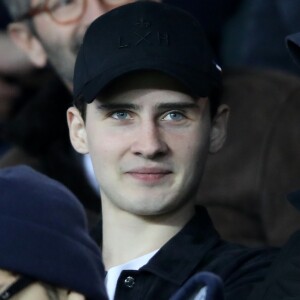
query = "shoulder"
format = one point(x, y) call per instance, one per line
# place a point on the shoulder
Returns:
point(282, 280)
point(241, 268)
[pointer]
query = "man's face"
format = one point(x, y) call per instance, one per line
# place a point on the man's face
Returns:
point(148, 141)
point(61, 42)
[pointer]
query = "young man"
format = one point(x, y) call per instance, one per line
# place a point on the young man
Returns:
point(45, 249)
point(145, 110)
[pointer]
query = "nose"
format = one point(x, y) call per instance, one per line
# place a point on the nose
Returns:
point(149, 142)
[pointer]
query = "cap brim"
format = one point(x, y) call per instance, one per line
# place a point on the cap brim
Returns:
point(293, 46)
point(197, 86)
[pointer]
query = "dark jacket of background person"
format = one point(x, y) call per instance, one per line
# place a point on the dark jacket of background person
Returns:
point(40, 138)
point(255, 35)
point(282, 281)
point(15, 91)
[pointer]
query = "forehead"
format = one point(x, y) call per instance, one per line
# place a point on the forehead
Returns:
point(143, 80)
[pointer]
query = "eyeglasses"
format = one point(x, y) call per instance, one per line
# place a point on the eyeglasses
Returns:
point(61, 11)
point(16, 287)
point(66, 12)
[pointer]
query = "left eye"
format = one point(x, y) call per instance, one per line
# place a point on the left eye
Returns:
point(173, 116)
point(121, 115)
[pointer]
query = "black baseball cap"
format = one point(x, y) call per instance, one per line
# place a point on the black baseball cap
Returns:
point(293, 45)
point(143, 36)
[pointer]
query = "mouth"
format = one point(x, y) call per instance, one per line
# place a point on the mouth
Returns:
point(149, 175)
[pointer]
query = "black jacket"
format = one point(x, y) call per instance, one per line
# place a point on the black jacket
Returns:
point(283, 279)
point(197, 247)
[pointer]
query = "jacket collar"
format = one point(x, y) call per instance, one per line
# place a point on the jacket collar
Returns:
point(185, 250)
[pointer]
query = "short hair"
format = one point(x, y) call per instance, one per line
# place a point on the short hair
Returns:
point(16, 8)
point(81, 105)
point(215, 100)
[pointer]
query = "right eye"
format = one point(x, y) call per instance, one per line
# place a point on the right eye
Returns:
point(121, 115)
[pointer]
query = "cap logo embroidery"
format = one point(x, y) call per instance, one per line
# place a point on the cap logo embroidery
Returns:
point(161, 38)
point(142, 23)
point(142, 38)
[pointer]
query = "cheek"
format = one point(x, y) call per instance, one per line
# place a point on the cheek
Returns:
point(100, 146)
point(189, 144)
point(105, 148)
point(190, 153)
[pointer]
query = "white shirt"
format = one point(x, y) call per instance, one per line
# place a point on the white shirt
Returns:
point(113, 273)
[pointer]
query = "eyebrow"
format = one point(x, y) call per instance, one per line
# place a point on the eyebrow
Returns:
point(171, 105)
point(110, 106)
point(175, 105)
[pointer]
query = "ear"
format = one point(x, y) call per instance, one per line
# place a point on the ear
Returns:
point(22, 36)
point(219, 129)
point(77, 130)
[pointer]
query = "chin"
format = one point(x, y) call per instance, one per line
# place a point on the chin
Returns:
point(156, 208)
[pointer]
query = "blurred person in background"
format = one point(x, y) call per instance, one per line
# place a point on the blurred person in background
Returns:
point(46, 252)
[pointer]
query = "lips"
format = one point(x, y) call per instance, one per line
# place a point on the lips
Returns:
point(149, 174)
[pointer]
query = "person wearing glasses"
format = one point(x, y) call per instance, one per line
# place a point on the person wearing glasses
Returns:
point(50, 32)
point(46, 252)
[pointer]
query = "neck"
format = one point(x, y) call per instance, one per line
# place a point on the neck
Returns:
point(127, 236)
